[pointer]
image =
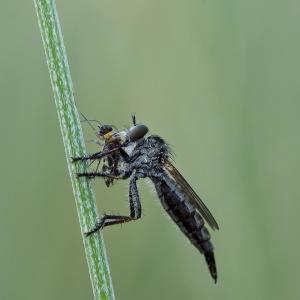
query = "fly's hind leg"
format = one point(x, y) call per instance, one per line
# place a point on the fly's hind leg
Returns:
point(134, 206)
point(119, 174)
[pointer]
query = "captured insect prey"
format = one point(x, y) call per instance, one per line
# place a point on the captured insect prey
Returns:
point(133, 155)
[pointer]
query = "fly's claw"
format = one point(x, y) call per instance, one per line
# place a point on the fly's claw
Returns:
point(75, 159)
point(88, 233)
point(99, 226)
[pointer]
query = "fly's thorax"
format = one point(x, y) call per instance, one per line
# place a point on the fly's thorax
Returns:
point(145, 155)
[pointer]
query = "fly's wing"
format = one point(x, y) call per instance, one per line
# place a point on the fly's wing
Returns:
point(191, 194)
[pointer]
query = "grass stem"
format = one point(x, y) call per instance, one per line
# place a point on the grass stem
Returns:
point(74, 145)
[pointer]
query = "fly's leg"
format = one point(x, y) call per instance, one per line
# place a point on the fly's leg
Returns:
point(108, 173)
point(87, 157)
point(91, 175)
point(134, 206)
point(94, 156)
point(107, 220)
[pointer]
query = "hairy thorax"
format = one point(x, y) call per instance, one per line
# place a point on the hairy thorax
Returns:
point(147, 154)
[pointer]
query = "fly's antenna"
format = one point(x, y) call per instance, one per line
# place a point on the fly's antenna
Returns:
point(90, 124)
point(133, 116)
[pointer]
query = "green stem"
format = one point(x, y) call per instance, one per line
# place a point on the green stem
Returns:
point(74, 145)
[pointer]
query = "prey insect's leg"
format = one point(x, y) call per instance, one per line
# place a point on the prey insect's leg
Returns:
point(134, 205)
point(98, 165)
point(96, 142)
point(96, 155)
point(92, 161)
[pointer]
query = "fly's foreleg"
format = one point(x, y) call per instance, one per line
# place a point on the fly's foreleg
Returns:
point(134, 206)
point(94, 156)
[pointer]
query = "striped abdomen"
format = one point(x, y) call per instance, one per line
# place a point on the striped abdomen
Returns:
point(188, 220)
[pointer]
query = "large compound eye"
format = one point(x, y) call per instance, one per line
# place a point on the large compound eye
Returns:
point(137, 132)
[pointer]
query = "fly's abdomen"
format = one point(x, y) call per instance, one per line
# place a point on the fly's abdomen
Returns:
point(189, 221)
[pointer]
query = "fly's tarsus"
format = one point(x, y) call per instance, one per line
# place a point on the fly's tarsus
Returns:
point(94, 174)
point(95, 156)
point(108, 220)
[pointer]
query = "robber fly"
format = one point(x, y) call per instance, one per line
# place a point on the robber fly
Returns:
point(150, 157)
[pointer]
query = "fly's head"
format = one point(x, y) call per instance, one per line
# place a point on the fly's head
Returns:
point(136, 131)
point(134, 136)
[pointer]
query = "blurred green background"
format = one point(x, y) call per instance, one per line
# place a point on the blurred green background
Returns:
point(219, 80)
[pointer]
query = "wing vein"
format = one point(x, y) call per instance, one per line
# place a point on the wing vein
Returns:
point(193, 198)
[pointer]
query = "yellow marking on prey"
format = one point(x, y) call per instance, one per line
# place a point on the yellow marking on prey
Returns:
point(108, 135)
